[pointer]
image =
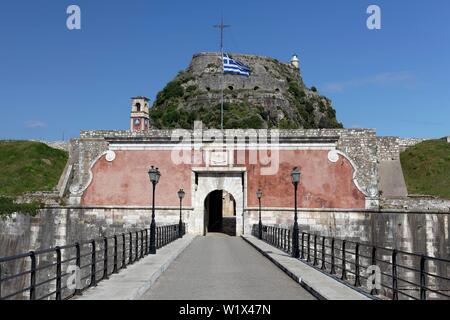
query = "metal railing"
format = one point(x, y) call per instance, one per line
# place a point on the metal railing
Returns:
point(403, 275)
point(49, 274)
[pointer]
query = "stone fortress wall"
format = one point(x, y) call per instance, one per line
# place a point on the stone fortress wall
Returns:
point(422, 227)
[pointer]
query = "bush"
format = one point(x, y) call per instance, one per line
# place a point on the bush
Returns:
point(8, 207)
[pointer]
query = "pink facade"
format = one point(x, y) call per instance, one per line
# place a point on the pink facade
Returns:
point(324, 184)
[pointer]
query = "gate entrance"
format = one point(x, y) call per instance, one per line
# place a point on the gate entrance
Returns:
point(220, 213)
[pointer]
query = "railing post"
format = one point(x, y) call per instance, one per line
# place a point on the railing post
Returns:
point(308, 258)
point(32, 276)
point(279, 238)
point(289, 241)
point(394, 276)
point(78, 263)
point(115, 270)
point(315, 263)
point(136, 248)
point(93, 264)
point(423, 290)
point(146, 242)
point(333, 267)
point(302, 254)
point(357, 273)
point(323, 267)
point(142, 243)
point(130, 249)
point(124, 252)
point(167, 235)
point(58, 273)
point(1, 281)
point(105, 258)
point(344, 262)
point(374, 291)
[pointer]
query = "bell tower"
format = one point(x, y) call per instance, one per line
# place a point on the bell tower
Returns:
point(139, 114)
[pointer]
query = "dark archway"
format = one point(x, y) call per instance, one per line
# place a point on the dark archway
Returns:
point(220, 213)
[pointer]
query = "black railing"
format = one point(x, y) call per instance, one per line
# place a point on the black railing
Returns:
point(45, 274)
point(404, 275)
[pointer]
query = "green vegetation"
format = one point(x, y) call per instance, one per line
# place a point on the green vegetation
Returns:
point(27, 166)
point(8, 207)
point(235, 116)
point(426, 168)
point(184, 101)
point(174, 89)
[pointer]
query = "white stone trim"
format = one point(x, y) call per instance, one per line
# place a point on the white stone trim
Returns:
point(206, 146)
point(219, 170)
point(333, 156)
point(355, 173)
point(78, 190)
point(110, 156)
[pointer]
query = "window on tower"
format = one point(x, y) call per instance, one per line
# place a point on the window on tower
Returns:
point(138, 107)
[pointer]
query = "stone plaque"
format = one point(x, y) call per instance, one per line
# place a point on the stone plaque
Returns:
point(218, 159)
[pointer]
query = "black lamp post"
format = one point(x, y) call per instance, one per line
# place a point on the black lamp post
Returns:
point(259, 195)
point(154, 175)
point(181, 195)
point(295, 174)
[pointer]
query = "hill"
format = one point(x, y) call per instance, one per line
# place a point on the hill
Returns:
point(426, 167)
point(27, 166)
point(274, 96)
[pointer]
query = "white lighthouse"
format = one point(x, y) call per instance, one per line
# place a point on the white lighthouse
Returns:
point(295, 62)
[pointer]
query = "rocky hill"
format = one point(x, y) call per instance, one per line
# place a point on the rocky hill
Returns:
point(274, 96)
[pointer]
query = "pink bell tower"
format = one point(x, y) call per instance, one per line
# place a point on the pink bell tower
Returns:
point(139, 114)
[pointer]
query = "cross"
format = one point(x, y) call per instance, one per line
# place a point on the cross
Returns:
point(221, 26)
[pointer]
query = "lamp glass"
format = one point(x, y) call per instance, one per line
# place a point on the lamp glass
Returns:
point(295, 175)
point(259, 194)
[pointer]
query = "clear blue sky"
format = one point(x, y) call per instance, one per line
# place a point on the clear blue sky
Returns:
point(53, 80)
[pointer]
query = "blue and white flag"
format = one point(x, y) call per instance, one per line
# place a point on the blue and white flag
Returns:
point(234, 67)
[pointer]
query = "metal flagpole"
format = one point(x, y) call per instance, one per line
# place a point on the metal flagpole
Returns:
point(221, 26)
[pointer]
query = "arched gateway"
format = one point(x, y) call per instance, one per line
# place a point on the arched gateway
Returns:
point(212, 185)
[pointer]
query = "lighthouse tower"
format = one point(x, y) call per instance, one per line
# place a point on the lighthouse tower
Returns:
point(139, 114)
point(295, 62)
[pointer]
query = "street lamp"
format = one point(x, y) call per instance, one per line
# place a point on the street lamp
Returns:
point(259, 195)
point(154, 175)
point(295, 175)
point(181, 195)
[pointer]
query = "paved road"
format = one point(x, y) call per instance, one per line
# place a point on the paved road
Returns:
point(219, 267)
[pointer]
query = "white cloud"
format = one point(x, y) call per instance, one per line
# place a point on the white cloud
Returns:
point(393, 79)
point(35, 124)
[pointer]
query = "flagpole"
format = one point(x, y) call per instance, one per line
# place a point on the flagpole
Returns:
point(221, 86)
point(221, 26)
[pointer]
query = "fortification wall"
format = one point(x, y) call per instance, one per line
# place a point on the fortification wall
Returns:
point(360, 145)
point(413, 231)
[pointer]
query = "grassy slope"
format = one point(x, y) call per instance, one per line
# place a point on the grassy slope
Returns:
point(29, 166)
point(426, 167)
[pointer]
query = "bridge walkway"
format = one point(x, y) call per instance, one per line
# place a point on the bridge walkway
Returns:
point(220, 267)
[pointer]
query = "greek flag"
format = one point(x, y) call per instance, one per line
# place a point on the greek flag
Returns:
point(234, 67)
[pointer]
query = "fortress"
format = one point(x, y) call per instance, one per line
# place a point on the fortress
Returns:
point(351, 184)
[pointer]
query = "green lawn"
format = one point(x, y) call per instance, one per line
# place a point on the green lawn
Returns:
point(426, 167)
point(29, 166)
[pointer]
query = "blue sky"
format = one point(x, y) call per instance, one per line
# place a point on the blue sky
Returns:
point(54, 81)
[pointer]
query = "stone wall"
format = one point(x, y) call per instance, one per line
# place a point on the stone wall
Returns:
point(389, 148)
point(412, 231)
point(60, 226)
point(360, 145)
point(422, 203)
